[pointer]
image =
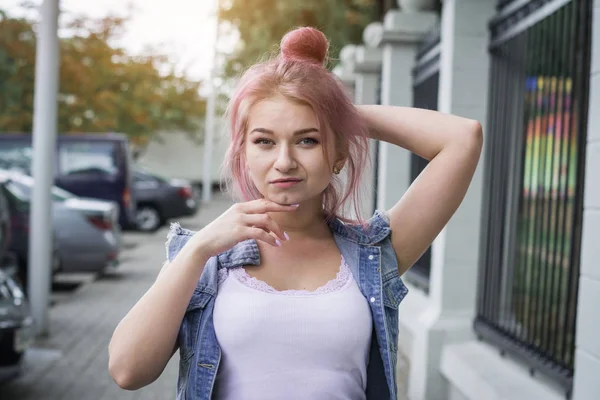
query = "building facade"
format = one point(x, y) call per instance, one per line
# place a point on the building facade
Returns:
point(504, 303)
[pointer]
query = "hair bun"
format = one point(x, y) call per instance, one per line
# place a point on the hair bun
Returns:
point(305, 44)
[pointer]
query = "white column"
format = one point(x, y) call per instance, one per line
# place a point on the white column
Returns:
point(367, 71)
point(367, 65)
point(402, 32)
point(587, 351)
point(464, 70)
point(44, 145)
point(345, 69)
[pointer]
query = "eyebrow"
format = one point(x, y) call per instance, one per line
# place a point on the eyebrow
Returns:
point(296, 133)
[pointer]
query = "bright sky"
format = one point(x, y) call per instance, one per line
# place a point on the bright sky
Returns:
point(182, 29)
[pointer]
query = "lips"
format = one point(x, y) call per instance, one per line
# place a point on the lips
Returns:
point(286, 183)
point(286, 180)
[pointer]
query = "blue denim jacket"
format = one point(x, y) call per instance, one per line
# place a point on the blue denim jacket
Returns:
point(372, 260)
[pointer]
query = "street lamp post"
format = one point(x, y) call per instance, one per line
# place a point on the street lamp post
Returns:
point(209, 127)
point(44, 140)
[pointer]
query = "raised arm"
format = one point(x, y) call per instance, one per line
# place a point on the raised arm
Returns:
point(453, 146)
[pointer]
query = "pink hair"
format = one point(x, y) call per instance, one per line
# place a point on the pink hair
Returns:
point(298, 74)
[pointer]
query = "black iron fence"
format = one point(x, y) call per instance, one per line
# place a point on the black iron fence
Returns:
point(426, 79)
point(503, 3)
point(535, 158)
point(376, 152)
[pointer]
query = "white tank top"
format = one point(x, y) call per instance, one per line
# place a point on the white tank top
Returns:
point(292, 344)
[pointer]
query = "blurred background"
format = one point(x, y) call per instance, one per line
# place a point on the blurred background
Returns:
point(111, 128)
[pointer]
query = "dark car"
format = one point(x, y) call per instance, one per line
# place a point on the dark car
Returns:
point(88, 165)
point(5, 233)
point(16, 324)
point(159, 199)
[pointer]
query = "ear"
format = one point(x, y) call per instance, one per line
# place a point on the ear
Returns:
point(340, 161)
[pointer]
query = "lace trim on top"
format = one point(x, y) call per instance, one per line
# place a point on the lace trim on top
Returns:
point(223, 274)
point(341, 279)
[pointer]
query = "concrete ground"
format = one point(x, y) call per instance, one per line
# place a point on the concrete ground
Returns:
point(71, 364)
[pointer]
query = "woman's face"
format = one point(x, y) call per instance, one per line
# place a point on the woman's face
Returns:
point(284, 151)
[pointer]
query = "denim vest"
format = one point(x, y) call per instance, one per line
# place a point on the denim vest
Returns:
point(371, 258)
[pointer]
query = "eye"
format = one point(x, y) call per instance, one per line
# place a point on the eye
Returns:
point(309, 141)
point(263, 141)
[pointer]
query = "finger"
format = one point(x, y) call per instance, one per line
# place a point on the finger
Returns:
point(262, 206)
point(259, 234)
point(264, 222)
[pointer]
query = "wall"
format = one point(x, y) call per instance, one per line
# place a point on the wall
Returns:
point(176, 155)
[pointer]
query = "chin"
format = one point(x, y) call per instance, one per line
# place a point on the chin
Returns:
point(291, 198)
point(285, 198)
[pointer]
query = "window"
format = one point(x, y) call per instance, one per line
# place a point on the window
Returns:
point(16, 154)
point(21, 190)
point(97, 158)
point(144, 177)
point(141, 175)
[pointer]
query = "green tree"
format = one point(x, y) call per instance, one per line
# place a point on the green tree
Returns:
point(17, 58)
point(262, 23)
point(102, 88)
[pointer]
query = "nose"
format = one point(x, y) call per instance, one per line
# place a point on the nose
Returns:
point(285, 159)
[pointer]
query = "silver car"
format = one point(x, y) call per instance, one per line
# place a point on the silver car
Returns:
point(86, 231)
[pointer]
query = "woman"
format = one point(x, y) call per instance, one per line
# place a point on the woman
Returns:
point(281, 297)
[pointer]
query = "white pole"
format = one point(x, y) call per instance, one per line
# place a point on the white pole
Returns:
point(209, 129)
point(44, 139)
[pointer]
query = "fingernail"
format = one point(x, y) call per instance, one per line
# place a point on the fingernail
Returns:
point(286, 236)
point(278, 242)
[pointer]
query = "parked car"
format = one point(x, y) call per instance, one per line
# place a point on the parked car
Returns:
point(89, 165)
point(5, 232)
point(18, 243)
point(16, 326)
point(159, 199)
point(15, 320)
point(86, 233)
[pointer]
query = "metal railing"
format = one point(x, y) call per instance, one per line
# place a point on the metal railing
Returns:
point(426, 79)
point(503, 3)
point(376, 152)
point(534, 171)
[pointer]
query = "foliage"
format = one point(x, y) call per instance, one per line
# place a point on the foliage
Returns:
point(261, 24)
point(17, 57)
point(102, 88)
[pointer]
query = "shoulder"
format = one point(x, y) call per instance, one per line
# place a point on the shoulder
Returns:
point(245, 252)
point(176, 239)
point(373, 231)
